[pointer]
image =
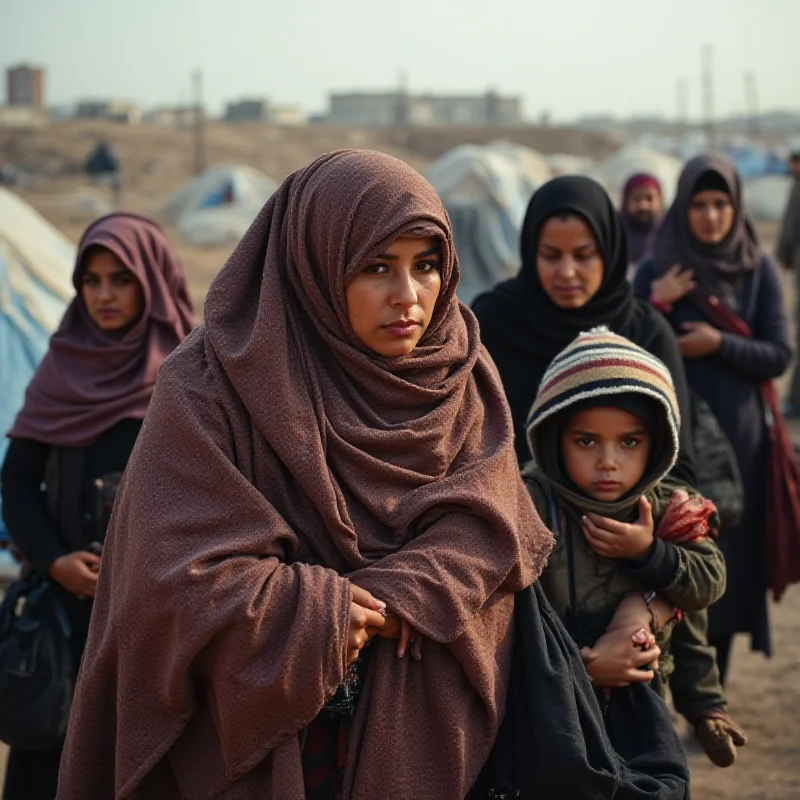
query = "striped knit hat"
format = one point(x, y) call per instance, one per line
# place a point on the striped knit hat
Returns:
point(600, 364)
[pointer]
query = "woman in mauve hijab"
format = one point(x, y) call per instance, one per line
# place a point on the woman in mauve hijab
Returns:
point(82, 414)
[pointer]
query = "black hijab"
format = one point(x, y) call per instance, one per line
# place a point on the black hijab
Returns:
point(523, 329)
point(531, 320)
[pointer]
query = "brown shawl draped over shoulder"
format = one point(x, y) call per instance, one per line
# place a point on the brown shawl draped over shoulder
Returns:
point(280, 461)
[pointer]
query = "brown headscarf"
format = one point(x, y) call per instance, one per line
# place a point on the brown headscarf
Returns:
point(717, 268)
point(280, 455)
point(90, 379)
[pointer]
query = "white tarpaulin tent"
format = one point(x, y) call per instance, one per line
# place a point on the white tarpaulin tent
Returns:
point(486, 191)
point(36, 264)
point(218, 206)
point(615, 171)
point(767, 196)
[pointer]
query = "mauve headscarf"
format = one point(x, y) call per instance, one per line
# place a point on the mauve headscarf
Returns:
point(280, 461)
point(717, 268)
point(90, 379)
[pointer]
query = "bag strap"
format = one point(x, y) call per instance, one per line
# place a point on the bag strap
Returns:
point(727, 319)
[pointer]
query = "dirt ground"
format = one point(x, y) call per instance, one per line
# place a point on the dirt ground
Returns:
point(764, 694)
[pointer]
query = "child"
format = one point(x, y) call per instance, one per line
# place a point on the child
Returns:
point(604, 434)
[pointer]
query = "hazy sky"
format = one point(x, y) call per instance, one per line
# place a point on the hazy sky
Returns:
point(572, 57)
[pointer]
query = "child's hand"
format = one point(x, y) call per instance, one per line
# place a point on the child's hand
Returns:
point(613, 539)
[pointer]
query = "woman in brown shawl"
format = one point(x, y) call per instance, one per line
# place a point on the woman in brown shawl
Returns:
point(82, 414)
point(312, 453)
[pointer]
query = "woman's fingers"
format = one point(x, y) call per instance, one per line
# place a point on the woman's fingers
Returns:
point(406, 632)
point(364, 598)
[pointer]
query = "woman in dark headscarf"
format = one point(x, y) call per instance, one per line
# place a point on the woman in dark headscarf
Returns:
point(573, 278)
point(82, 414)
point(333, 443)
point(641, 213)
point(707, 247)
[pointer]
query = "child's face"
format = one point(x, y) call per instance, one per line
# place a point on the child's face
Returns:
point(606, 452)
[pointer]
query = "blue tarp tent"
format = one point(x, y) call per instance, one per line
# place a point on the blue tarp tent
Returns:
point(753, 161)
point(36, 263)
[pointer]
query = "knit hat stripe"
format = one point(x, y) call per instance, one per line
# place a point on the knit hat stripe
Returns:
point(604, 366)
point(602, 363)
point(604, 387)
point(599, 350)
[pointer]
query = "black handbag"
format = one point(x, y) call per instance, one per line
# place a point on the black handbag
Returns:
point(37, 666)
point(718, 476)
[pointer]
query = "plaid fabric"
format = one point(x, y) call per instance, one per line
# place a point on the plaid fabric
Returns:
point(323, 758)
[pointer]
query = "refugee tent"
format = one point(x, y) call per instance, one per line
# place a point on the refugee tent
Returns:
point(767, 196)
point(218, 206)
point(486, 190)
point(615, 171)
point(565, 164)
point(36, 264)
point(753, 161)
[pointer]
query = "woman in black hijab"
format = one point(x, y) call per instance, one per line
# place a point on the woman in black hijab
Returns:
point(573, 278)
point(707, 247)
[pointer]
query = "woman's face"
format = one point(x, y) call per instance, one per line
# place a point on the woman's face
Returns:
point(390, 300)
point(710, 216)
point(568, 262)
point(112, 293)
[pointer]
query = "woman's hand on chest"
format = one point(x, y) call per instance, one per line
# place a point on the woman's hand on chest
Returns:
point(700, 340)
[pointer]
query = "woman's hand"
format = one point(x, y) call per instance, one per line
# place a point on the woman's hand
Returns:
point(397, 628)
point(76, 572)
point(617, 657)
point(366, 614)
point(701, 340)
point(612, 539)
point(673, 285)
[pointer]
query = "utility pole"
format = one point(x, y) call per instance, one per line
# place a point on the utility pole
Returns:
point(708, 94)
point(199, 123)
point(403, 110)
point(681, 106)
point(751, 95)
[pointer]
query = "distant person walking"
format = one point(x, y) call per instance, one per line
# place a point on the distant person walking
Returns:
point(642, 207)
point(788, 253)
point(709, 241)
point(82, 415)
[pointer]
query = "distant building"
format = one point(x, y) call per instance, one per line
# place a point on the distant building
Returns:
point(25, 86)
point(248, 111)
point(113, 110)
point(22, 117)
point(178, 117)
point(375, 109)
point(288, 115)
